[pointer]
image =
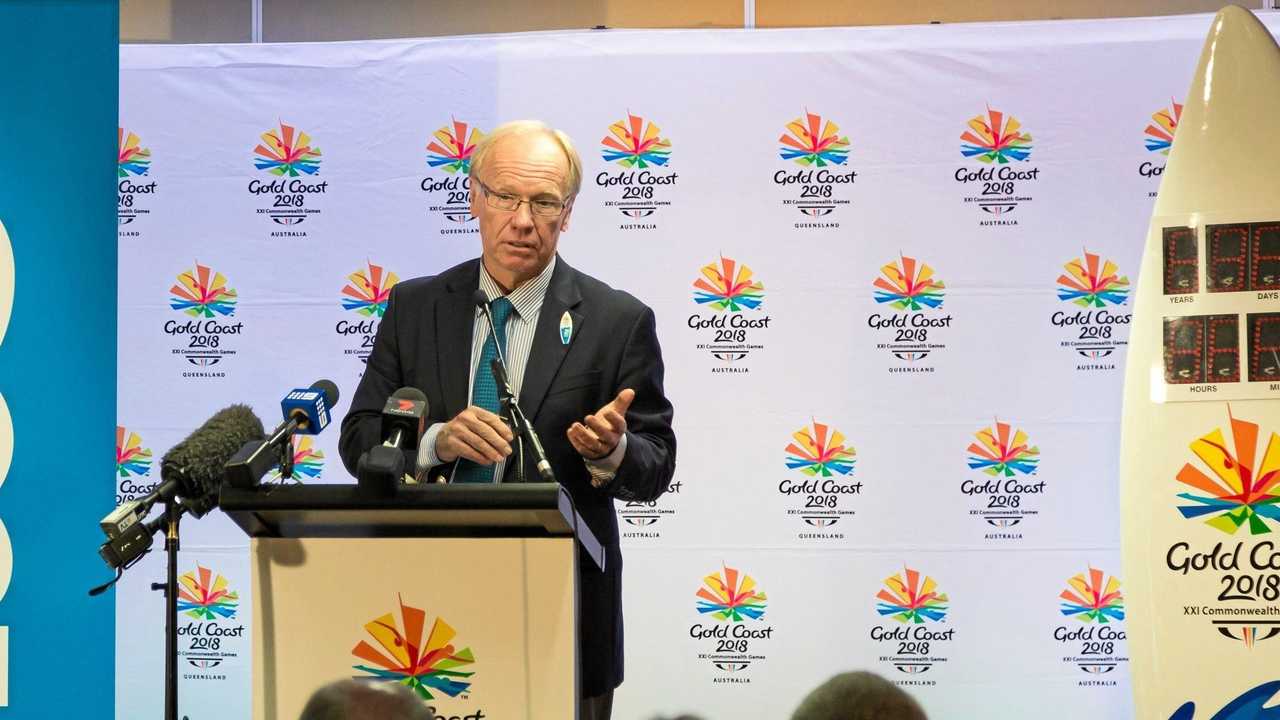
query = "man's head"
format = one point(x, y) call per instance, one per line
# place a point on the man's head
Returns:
point(353, 700)
point(524, 176)
point(858, 696)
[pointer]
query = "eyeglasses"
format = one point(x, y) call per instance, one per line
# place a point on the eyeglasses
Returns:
point(504, 201)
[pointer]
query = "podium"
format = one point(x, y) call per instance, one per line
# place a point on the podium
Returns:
point(465, 593)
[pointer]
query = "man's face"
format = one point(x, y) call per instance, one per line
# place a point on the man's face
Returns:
point(517, 244)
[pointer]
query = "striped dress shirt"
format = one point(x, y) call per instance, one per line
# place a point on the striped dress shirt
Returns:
point(526, 302)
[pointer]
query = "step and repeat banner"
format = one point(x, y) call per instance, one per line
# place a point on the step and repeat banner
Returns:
point(892, 270)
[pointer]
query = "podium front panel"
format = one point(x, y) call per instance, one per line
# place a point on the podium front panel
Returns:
point(474, 625)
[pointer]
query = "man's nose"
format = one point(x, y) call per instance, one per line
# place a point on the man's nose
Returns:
point(523, 216)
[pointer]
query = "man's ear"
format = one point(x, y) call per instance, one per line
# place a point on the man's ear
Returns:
point(564, 219)
point(475, 198)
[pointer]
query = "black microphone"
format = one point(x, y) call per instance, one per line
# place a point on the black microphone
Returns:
point(519, 422)
point(381, 467)
point(305, 410)
point(193, 469)
point(404, 418)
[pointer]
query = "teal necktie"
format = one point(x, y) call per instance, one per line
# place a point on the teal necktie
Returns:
point(485, 391)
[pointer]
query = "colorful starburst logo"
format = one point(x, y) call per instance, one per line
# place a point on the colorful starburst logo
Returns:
point(367, 292)
point(1243, 492)
point(995, 138)
point(728, 286)
point(731, 595)
point(1096, 597)
point(1003, 451)
point(131, 458)
point(451, 149)
point(287, 151)
point(812, 143)
point(308, 462)
point(1164, 124)
point(202, 292)
point(1093, 282)
point(133, 159)
point(908, 285)
point(433, 668)
point(633, 144)
point(204, 596)
point(910, 597)
point(819, 450)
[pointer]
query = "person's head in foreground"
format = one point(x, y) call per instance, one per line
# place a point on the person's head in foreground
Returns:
point(858, 696)
point(355, 700)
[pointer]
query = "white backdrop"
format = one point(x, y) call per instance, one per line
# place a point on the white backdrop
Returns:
point(909, 390)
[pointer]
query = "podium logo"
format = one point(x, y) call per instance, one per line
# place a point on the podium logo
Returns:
point(205, 595)
point(1159, 133)
point(817, 146)
point(817, 492)
point(634, 144)
point(911, 599)
point(1250, 705)
point(451, 149)
point(133, 159)
point(728, 287)
point(1093, 646)
point(203, 292)
point(438, 667)
point(286, 152)
point(132, 460)
point(732, 644)
point(909, 285)
point(1003, 454)
point(308, 462)
point(1238, 493)
point(996, 138)
point(811, 143)
point(1093, 332)
point(367, 292)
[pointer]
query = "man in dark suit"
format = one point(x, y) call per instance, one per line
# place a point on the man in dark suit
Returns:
point(584, 364)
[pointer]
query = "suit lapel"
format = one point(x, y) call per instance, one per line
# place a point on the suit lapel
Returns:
point(455, 320)
point(548, 351)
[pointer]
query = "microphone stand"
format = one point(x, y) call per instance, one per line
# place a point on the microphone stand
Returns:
point(173, 512)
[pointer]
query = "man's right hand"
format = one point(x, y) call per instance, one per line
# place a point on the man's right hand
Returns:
point(475, 434)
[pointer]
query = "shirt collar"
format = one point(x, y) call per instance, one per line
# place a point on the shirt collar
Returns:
point(527, 297)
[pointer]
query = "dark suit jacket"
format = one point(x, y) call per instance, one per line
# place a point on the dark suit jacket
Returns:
point(424, 341)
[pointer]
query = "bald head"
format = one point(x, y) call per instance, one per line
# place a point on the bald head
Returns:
point(374, 700)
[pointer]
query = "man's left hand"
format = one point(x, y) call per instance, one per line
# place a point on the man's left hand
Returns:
point(598, 434)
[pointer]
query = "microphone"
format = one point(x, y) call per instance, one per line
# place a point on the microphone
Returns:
point(305, 410)
point(404, 418)
point(381, 467)
point(519, 422)
point(193, 469)
point(310, 406)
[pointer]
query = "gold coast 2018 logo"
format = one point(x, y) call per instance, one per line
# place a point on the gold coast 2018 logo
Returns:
point(1238, 496)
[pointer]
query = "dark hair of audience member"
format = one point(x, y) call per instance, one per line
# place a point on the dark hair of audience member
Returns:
point(858, 696)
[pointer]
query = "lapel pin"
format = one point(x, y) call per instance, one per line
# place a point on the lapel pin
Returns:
point(566, 328)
